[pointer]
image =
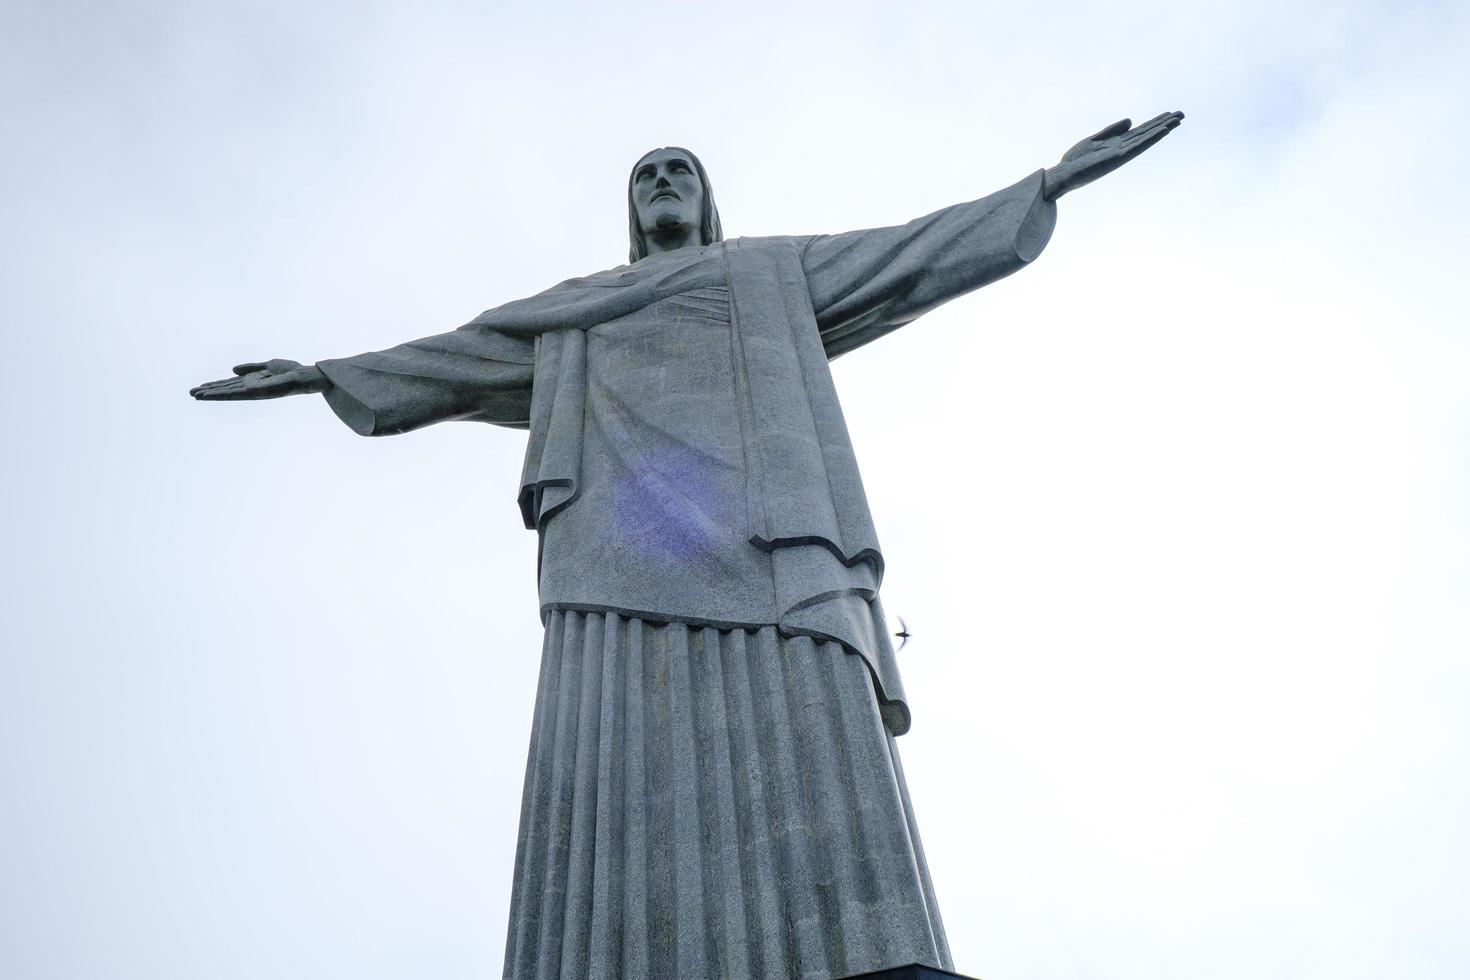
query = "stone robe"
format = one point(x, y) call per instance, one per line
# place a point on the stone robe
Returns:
point(688, 461)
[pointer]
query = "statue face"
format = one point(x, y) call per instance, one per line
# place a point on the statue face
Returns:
point(666, 193)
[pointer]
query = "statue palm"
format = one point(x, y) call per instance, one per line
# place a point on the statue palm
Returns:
point(1106, 151)
point(275, 378)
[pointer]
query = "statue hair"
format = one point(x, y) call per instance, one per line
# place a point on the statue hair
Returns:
point(709, 218)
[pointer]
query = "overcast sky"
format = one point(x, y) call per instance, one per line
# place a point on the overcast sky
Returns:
point(1189, 669)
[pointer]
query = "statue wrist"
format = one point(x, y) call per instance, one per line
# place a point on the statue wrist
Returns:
point(1054, 182)
point(313, 380)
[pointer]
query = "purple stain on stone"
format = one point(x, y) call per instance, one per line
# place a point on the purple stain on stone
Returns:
point(673, 504)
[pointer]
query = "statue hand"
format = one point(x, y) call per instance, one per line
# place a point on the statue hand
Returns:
point(1106, 151)
point(265, 379)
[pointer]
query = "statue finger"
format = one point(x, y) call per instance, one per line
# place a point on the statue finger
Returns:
point(1139, 132)
point(1164, 120)
point(250, 368)
point(1148, 138)
point(1132, 150)
point(1156, 120)
point(215, 394)
point(231, 393)
point(1150, 131)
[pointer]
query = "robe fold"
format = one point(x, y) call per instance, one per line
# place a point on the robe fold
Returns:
point(687, 459)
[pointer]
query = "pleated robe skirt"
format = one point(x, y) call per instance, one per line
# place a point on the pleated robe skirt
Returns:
point(712, 803)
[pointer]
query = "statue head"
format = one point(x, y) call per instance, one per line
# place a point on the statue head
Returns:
point(669, 196)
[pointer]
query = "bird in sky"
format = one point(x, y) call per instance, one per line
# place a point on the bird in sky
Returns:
point(903, 633)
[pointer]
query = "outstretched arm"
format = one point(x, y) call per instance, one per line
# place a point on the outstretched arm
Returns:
point(474, 373)
point(864, 284)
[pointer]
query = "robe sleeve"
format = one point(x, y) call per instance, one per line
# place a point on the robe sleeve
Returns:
point(865, 284)
point(473, 374)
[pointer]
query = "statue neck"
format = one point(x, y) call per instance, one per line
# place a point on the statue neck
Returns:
point(671, 239)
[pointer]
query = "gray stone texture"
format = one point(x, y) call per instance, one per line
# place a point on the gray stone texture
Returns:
point(712, 803)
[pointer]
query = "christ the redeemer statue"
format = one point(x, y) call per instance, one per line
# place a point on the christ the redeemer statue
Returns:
point(713, 788)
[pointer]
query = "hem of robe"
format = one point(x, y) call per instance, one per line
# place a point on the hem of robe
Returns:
point(351, 411)
point(823, 621)
point(362, 419)
point(702, 803)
